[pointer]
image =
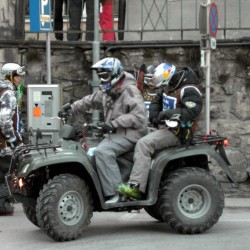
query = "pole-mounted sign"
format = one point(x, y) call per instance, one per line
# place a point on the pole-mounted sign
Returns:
point(40, 15)
point(213, 20)
point(208, 24)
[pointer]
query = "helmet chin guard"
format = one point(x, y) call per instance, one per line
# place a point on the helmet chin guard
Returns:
point(105, 87)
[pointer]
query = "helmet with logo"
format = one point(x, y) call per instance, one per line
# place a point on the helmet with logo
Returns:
point(109, 71)
point(10, 70)
point(163, 74)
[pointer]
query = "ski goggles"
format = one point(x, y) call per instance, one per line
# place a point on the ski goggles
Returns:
point(148, 79)
point(20, 71)
point(105, 77)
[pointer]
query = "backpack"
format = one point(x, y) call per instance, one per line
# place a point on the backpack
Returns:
point(190, 77)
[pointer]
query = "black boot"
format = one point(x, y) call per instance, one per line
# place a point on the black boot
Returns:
point(5, 207)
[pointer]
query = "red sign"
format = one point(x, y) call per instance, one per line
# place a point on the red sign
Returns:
point(213, 20)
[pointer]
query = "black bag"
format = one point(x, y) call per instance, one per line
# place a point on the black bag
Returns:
point(184, 133)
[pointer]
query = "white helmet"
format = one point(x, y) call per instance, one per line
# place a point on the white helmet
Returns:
point(12, 69)
point(163, 74)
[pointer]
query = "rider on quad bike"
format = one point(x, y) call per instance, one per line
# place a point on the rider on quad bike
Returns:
point(125, 120)
point(178, 94)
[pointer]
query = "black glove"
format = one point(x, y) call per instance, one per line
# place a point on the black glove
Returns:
point(63, 114)
point(108, 127)
point(60, 114)
point(155, 121)
point(163, 115)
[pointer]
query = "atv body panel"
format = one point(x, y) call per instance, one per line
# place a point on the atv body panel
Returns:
point(70, 154)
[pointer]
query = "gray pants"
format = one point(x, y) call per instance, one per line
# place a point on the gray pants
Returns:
point(105, 156)
point(144, 149)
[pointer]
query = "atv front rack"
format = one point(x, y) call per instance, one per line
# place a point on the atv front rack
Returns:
point(25, 149)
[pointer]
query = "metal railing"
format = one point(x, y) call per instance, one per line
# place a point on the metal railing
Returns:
point(147, 20)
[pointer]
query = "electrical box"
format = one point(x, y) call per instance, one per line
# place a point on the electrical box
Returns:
point(44, 102)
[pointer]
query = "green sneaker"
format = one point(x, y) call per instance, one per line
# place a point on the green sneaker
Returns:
point(130, 190)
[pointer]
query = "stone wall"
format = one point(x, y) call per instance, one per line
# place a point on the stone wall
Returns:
point(7, 12)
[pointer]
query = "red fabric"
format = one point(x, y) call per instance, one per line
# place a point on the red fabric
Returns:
point(106, 22)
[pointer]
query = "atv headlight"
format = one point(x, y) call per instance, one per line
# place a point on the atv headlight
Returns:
point(20, 183)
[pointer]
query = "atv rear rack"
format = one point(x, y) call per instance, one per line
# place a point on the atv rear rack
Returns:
point(210, 139)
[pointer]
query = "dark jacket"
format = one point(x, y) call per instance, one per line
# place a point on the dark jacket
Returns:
point(186, 101)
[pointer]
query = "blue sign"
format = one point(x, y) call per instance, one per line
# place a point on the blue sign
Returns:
point(40, 15)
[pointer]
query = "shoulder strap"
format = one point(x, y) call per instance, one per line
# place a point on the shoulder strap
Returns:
point(2, 91)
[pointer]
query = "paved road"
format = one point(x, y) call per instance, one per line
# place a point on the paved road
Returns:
point(133, 231)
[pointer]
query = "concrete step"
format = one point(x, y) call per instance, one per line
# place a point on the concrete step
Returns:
point(237, 202)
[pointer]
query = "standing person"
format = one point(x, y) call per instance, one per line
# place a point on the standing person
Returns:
point(125, 120)
point(9, 120)
point(58, 18)
point(75, 15)
point(177, 94)
point(107, 21)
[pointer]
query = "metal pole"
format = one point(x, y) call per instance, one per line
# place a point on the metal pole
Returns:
point(48, 54)
point(208, 56)
point(208, 59)
point(96, 57)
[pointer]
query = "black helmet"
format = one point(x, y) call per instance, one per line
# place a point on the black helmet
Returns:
point(184, 76)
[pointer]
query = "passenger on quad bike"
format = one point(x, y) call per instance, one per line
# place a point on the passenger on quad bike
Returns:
point(125, 120)
point(178, 94)
point(9, 135)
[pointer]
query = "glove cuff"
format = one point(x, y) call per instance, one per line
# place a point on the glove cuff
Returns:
point(12, 139)
point(113, 124)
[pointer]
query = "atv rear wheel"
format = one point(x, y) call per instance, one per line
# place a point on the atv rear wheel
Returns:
point(64, 207)
point(191, 200)
point(30, 212)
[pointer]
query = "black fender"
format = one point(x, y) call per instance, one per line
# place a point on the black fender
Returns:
point(40, 161)
point(161, 160)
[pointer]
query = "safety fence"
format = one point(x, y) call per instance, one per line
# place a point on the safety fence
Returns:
point(148, 20)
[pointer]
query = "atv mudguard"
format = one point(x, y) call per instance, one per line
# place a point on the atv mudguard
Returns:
point(161, 160)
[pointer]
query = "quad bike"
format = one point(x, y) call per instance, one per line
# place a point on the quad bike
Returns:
point(59, 187)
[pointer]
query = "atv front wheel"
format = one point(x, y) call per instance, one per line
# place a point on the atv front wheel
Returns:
point(154, 211)
point(191, 200)
point(30, 212)
point(64, 207)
